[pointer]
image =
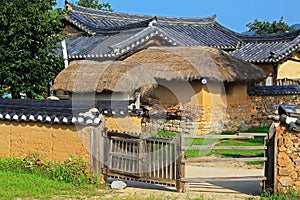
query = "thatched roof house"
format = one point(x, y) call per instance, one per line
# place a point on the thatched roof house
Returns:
point(143, 68)
point(100, 35)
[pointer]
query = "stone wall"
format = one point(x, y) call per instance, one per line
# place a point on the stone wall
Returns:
point(287, 160)
point(54, 141)
point(214, 119)
point(263, 106)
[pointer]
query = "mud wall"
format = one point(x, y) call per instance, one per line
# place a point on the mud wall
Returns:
point(54, 141)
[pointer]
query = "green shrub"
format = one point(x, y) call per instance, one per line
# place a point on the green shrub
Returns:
point(72, 170)
point(11, 164)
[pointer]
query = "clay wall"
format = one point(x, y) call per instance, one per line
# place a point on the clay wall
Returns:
point(53, 141)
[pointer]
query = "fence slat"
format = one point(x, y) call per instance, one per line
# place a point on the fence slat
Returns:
point(229, 178)
point(207, 147)
point(253, 134)
point(193, 160)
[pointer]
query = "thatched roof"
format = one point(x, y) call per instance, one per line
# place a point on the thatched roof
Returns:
point(93, 76)
point(142, 68)
point(192, 63)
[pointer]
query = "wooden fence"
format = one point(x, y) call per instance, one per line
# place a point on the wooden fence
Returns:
point(161, 160)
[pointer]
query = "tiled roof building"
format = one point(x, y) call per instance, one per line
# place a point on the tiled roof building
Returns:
point(102, 34)
point(108, 35)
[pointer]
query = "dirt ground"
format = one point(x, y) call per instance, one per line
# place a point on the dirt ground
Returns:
point(212, 190)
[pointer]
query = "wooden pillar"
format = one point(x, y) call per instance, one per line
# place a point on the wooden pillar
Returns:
point(180, 167)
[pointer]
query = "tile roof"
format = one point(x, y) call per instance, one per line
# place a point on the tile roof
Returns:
point(269, 48)
point(111, 33)
point(49, 111)
point(108, 35)
point(274, 90)
point(64, 111)
point(287, 114)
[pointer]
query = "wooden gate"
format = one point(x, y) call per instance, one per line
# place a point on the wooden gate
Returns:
point(161, 160)
point(139, 157)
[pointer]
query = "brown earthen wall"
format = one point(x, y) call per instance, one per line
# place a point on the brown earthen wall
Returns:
point(54, 141)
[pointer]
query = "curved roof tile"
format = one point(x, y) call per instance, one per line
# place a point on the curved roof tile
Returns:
point(48, 111)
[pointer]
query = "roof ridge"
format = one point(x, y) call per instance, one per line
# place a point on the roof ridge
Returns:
point(139, 17)
point(285, 36)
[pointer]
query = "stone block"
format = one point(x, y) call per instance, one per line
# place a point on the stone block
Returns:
point(179, 130)
point(176, 122)
point(284, 172)
point(295, 140)
point(297, 162)
point(297, 186)
point(285, 181)
point(283, 163)
point(280, 141)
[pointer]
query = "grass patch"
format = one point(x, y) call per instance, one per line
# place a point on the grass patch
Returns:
point(229, 153)
point(23, 185)
point(235, 153)
point(261, 162)
point(257, 130)
point(289, 196)
point(165, 134)
point(32, 176)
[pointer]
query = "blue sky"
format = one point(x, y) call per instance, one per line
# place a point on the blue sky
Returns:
point(233, 14)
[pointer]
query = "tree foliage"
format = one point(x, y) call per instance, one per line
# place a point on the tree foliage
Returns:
point(265, 27)
point(30, 31)
point(95, 5)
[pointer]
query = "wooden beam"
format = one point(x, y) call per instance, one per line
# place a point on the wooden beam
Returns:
point(230, 178)
point(194, 160)
point(208, 147)
point(220, 136)
point(253, 134)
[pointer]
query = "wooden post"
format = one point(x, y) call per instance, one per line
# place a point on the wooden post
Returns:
point(270, 165)
point(180, 167)
point(92, 151)
point(105, 153)
point(140, 158)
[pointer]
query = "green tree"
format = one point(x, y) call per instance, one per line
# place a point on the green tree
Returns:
point(265, 27)
point(30, 31)
point(95, 4)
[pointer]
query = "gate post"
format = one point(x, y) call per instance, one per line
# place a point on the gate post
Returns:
point(180, 167)
point(270, 166)
point(105, 150)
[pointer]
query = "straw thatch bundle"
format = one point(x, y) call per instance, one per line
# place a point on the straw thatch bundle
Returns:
point(140, 70)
